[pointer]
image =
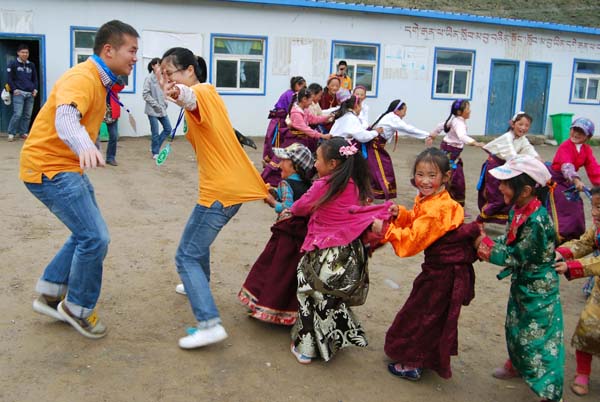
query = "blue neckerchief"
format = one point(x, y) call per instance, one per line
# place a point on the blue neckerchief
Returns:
point(104, 67)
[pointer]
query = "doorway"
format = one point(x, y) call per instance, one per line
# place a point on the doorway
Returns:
point(8, 52)
point(536, 90)
point(502, 96)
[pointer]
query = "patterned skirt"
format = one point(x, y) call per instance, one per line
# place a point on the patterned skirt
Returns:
point(326, 323)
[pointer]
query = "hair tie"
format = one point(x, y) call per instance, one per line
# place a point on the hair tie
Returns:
point(398, 106)
point(457, 104)
point(348, 150)
point(516, 116)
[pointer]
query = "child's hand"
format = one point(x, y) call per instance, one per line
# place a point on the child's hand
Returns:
point(477, 144)
point(377, 226)
point(379, 130)
point(558, 256)
point(326, 136)
point(394, 210)
point(429, 141)
point(560, 267)
point(270, 200)
point(477, 241)
point(578, 184)
point(483, 250)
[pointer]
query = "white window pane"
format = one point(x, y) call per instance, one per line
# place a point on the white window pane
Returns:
point(592, 89)
point(587, 67)
point(579, 91)
point(355, 52)
point(460, 82)
point(364, 77)
point(454, 58)
point(226, 74)
point(442, 85)
point(249, 74)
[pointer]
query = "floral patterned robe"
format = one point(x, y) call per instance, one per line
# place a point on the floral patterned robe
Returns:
point(534, 321)
point(587, 334)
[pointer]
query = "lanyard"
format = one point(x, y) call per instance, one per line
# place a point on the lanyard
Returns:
point(162, 155)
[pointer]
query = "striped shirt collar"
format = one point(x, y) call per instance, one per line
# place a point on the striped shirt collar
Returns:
point(103, 76)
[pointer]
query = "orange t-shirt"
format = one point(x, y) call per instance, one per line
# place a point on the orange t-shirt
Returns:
point(225, 173)
point(44, 153)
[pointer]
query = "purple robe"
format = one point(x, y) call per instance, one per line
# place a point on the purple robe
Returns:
point(457, 181)
point(489, 199)
point(424, 333)
point(381, 169)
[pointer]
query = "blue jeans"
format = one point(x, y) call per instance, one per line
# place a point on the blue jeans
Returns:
point(22, 109)
point(193, 258)
point(158, 139)
point(113, 136)
point(78, 265)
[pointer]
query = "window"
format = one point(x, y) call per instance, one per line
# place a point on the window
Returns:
point(586, 77)
point(453, 73)
point(362, 62)
point(238, 64)
point(82, 47)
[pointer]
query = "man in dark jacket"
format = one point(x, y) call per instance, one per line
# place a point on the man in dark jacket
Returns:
point(23, 82)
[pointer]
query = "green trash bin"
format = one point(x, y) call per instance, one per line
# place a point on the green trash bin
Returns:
point(561, 126)
point(103, 132)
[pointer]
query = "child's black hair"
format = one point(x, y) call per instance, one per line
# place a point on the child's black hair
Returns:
point(154, 61)
point(346, 106)
point(315, 88)
point(396, 104)
point(458, 105)
point(595, 190)
point(301, 94)
point(519, 116)
point(182, 58)
point(436, 157)
point(353, 166)
point(517, 185)
point(295, 81)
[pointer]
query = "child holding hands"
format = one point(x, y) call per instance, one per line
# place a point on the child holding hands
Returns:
point(586, 339)
point(424, 333)
point(534, 322)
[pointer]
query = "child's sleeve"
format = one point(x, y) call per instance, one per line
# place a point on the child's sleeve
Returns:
point(304, 205)
point(460, 128)
point(411, 130)
point(285, 196)
point(299, 124)
point(579, 248)
point(530, 249)
point(409, 237)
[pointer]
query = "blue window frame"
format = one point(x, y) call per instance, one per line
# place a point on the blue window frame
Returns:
point(453, 71)
point(82, 47)
point(363, 63)
point(238, 64)
point(585, 81)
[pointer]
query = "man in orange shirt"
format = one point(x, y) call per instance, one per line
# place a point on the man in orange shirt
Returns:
point(60, 146)
point(342, 74)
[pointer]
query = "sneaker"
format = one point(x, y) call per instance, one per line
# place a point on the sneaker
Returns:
point(407, 374)
point(112, 163)
point(180, 289)
point(202, 337)
point(24, 136)
point(47, 305)
point(154, 156)
point(302, 359)
point(11, 138)
point(90, 326)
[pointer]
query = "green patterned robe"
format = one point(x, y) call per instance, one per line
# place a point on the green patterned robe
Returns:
point(534, 321)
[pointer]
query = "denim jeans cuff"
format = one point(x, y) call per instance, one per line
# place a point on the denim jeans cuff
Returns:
point(213, 322)
point(51, 289)
point(78, 311)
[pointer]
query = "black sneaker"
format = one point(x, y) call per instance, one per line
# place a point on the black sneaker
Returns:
point(90, 326)
point(47, 305)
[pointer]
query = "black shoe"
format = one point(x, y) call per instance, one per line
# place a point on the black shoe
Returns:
point(112, 163)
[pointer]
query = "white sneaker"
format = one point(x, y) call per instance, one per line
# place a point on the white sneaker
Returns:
point(11, 138)
point(47, 307)
point(180, 289)
point(203, 337)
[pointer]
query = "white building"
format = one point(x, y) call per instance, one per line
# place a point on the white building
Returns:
point(253, 48)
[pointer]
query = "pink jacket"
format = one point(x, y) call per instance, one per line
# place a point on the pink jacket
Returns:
point(338, 222)
point(301, 119)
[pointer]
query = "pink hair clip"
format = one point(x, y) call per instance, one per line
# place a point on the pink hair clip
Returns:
point(348, 150)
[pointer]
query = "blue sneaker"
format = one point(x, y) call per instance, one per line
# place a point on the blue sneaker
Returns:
point(412, 375)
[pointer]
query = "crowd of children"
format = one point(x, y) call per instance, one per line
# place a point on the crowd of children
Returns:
point(314, 268)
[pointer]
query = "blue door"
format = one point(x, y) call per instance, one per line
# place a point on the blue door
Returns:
point(536, 90)
point(502, 95)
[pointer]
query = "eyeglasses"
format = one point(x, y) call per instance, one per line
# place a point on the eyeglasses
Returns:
point(170, 73)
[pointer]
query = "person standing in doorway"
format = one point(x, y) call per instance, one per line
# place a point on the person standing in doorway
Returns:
point(60, 147)
point(342, 74)
point(111, 118)
point(23, 82)
point(156, 107)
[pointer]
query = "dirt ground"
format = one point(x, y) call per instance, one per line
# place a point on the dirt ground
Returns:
point(146, 208)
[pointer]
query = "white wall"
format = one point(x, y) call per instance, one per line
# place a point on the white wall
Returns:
point(320, 27)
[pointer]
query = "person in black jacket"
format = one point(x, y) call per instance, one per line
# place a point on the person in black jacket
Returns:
point(23, 82)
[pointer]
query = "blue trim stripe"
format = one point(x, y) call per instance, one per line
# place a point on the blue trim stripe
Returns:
point(431, 14)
